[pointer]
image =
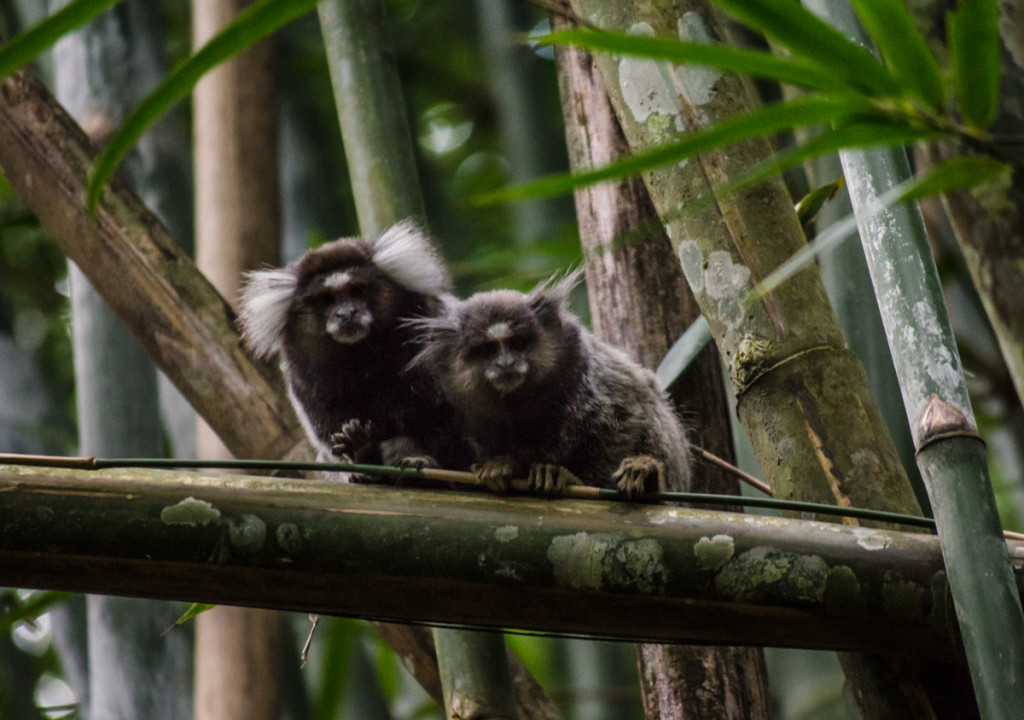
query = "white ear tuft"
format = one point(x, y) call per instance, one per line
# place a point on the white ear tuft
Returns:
point(558, 287)
point(406, 254)
point(265, 300)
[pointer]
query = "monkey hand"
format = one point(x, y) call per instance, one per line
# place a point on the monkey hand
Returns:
point(639, 474)
point(495, 474)
point(417, 462)
point(548, 479)
point(355, 442)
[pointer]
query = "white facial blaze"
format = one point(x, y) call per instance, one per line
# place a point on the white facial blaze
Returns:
point(338, 280)
point(499, 331)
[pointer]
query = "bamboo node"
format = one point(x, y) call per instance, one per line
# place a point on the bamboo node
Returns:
point(941, 420)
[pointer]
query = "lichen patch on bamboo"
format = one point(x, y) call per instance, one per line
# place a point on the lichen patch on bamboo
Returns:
point(190, 511)
point(765, 574)
point(904, 598)
point(692, 260)
point(712, 553)
point(247, 533)
point(698, 81)
point(872, 539)
point(609, 561)
point(647, 89)
point(506, 533)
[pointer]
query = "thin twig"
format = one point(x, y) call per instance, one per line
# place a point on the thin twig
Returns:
point(726, 465)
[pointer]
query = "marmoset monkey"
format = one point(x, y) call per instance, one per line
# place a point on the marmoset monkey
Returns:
point(336, 316)
point(541, 395)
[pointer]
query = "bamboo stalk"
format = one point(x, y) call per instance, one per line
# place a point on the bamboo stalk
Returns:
point(950, 453)
point(378, 145)
point(650, 572)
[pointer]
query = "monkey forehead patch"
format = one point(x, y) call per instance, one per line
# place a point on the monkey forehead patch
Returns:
point(499, 331)
point(338, 280)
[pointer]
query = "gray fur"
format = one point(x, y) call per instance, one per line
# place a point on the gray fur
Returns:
point(545, 391)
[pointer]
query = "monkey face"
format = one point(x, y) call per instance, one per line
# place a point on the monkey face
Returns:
point(503, 356)
point(347, 316)
point(344, 305)
point(506, 346)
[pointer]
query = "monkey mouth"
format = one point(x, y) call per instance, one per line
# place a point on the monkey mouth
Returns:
point(347, 333)
point(505, 382)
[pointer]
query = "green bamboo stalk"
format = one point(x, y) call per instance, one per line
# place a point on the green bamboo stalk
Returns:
point(950, 453)
point(371, 110)
point(475, 677)
point(471, 672)
point(652, 572)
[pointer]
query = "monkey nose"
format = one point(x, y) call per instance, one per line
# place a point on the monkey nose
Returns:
point(507, 372)
point(347, 325)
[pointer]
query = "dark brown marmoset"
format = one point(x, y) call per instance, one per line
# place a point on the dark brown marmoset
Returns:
point(337, 318)
point(542, 397)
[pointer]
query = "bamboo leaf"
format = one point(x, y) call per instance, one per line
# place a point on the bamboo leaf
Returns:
point(903, 48)
point(29, 609)
point(973, 37)
point(24, 47)
point(807, 36)
point(811, 204)
point(802, 111)
point(785, 70)
point(193, 610)
point(252, 24)
point(956, 173)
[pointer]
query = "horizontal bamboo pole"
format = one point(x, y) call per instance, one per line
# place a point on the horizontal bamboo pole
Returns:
point(655, 572)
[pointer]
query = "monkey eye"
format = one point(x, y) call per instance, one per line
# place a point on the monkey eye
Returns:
point(480, 351)
point(517, 343)
point(356, 290)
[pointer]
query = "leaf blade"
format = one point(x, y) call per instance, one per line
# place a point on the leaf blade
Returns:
point(809, 37)
point(903, 48)
point(27, 45)
point(253, 23)
point(973, 39)
point(807, 110)
point(723, 57)
point(956, 173)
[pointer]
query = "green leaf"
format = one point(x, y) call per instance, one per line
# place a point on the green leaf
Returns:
point(903, 48)
point(956, 173)
point(807, 110)
point(193, 610)
point(811, 204)
point(28, 610)
point(24, 47)
point(255, 22)
point(760, 64)
point(812, 39)
point(973, 35)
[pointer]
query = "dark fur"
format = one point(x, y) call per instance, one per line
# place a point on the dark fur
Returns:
point(581, 404)
point(360, 386)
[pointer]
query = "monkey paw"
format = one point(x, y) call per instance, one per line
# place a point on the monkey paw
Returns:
point(417, 462)
point(354, 441)
point(548, 479)
point(639, 474)
point(495, 475)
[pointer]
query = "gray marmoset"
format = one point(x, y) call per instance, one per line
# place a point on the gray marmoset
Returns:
point(337, 316)
point(541, 396)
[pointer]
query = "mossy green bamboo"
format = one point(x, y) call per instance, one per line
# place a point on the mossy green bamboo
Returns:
point(652, 572)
